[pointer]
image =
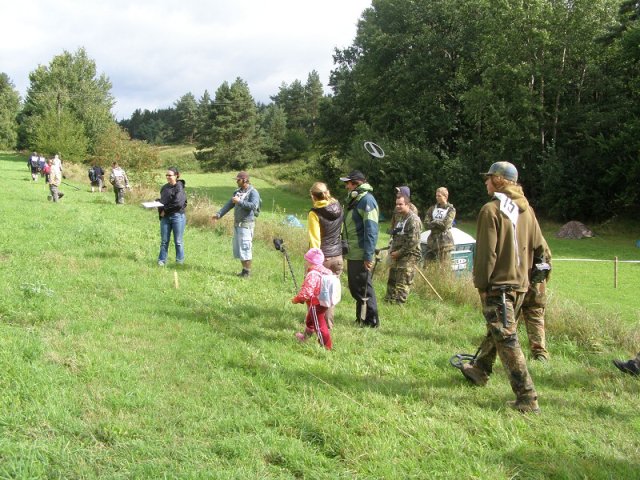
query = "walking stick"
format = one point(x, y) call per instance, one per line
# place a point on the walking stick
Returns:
point(314, 314)
point(429, 283)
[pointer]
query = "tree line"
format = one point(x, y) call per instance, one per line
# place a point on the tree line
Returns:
point(445, 87)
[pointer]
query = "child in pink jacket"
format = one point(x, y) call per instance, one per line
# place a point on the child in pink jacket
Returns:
point(315, 321)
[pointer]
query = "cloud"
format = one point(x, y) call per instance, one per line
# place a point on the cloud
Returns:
point(156, 51)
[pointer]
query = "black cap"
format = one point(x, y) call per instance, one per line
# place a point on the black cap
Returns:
point(354, 176)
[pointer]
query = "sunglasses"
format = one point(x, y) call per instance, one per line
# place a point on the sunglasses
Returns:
point(167, 175)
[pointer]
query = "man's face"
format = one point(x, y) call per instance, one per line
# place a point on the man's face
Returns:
point(241, 182)
point(402, 207)
point(350, 186)
point(489, 183)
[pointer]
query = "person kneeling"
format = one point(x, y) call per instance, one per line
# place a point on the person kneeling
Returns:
point(309, 291)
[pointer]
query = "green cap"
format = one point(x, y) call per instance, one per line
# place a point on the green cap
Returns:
point(504, 169)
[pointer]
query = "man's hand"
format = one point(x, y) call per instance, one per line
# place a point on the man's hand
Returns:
point(235, 199)
point(215, 218)
point(368, 264)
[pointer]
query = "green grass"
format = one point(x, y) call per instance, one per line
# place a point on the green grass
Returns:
point(109, 371)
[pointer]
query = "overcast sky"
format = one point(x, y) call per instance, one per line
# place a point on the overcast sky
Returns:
point(155, 51)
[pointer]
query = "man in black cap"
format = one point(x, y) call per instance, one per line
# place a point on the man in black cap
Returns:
point(361, 233)
point(246, 207)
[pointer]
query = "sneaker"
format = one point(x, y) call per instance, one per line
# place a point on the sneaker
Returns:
point(524, 407)
point(301, 337)
point(541, 358)
point(161, 263)
point(244, 274)
point(629, 367)
point(474, 374)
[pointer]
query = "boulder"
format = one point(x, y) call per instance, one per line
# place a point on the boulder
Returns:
point(574, 230)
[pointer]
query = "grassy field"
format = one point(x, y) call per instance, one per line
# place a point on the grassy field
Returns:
point(111, 367)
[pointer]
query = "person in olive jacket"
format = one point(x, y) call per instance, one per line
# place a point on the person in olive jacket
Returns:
point(172, 216)
point(508, 239)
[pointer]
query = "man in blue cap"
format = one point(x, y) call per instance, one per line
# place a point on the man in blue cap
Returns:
point(508, 238)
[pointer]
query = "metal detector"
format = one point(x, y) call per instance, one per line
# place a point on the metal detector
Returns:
point(69, 185)
point(279, 244)
point(459, 359)
point(374, 151)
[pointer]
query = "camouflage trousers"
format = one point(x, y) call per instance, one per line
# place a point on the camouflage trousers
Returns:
point(503, 342)
point(401, 274)
point(532, 312)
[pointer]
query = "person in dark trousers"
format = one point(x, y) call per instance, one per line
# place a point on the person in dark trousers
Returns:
point(172, 216)
point(246, 206)
point(361, 235)
point(96, 177)
point(324, 226)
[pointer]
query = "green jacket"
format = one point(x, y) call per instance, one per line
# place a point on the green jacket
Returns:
point(361, 223)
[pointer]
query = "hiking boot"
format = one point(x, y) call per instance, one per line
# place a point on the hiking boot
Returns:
point(474, 374)
point(541, 358)
point(244, 273)
point(530, 406)
point(629, 367)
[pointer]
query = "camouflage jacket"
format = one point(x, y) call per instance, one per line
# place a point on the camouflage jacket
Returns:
point(406, 236)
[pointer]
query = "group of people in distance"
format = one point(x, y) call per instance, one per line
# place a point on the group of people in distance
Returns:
point(118, 179)
point(50, 169)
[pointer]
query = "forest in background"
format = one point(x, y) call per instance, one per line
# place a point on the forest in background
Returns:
point(445, 87)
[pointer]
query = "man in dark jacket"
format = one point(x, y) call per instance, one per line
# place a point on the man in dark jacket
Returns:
point(508, 238)
point(361, 233)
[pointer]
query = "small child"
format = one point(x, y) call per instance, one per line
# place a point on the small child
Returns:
point(309, 291)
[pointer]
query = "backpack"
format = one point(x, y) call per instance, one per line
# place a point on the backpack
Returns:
point(330, 291)
point(92, 175)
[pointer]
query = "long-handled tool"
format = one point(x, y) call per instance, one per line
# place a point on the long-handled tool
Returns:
point(503, 289)
point(279, 244)
point(377, 259)
point(429, 283)
point(316, 324)
point(69, 185)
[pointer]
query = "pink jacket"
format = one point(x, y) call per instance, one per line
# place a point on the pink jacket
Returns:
point(310, 288)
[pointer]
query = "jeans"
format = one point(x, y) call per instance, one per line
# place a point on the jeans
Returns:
point(175, 223)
